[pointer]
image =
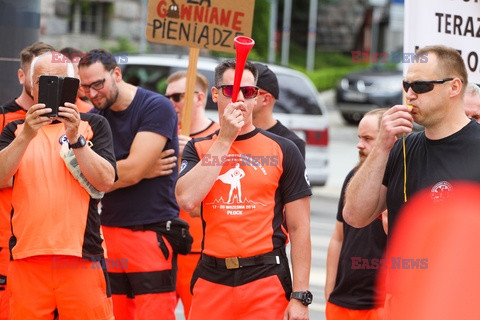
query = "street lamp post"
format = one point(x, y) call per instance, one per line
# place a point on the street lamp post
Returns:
point(20, 27)
point(287, 17)
point(312, 34)
point(273, 30)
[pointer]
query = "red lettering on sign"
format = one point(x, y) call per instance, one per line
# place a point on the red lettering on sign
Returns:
point(198, 14)
point(213, 16)
point(225, 17)
point(161, 9)
point(208, 15)
point(237, 23)
point(186, 12)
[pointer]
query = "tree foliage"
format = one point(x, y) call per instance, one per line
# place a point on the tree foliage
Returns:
point(260, 30)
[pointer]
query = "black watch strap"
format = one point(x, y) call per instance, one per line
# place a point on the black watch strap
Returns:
point(81, 142)
point(306, 297)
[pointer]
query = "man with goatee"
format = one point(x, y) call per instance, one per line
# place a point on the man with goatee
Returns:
point(354, 255)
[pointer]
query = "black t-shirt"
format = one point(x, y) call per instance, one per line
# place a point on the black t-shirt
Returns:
point(280, 130)
point(242, 214)
point(359, 262)
point(149, 200)
point(11, 111)
point(11, 106)
point(432, 164)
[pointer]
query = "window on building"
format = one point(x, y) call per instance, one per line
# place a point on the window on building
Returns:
point(89, 17)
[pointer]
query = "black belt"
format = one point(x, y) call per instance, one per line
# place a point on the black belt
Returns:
point(144, 227)
point(272, 257)
point(140, 227)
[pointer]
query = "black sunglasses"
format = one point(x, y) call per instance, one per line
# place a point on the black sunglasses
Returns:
point(249, 92)
point(422, 86)
point(176, 97)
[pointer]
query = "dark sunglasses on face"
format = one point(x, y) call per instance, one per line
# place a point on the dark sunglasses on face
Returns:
point(422, 86)
point(249, 92)
point(176, 97)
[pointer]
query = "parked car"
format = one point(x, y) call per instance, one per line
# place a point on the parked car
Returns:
point(361, 91)
point(299, 107)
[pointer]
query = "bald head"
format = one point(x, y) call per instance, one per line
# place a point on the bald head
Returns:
point(45, 65)
point(471, 101)
point(367, 131)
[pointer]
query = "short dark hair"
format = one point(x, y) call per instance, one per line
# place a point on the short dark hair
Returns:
point(99, 55)
point(72, 53)
point(34, 50)
point(450, 62)
point(231, 64)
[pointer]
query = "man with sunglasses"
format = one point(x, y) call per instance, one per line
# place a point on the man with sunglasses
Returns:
point(435, 159)
point(143, 124)
point(243, 272)
point(268, 94)
point(200, 126)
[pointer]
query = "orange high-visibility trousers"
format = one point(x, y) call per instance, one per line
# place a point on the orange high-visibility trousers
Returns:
point(259, 299)
point(186, 267)
point(254, 292)
point(4, 303)
point(76, 287)
point(142, 278)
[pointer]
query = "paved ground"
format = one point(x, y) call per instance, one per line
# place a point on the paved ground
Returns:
point(343, 154)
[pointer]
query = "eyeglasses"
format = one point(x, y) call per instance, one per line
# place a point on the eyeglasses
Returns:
point(249, 92)
point(176, 97)
point(97, 85)
point(422, 86)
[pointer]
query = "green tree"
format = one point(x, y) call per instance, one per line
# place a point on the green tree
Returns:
point(260, 29)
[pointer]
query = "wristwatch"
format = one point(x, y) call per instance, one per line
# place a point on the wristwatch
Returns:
point(306, 297)
point(81, 142)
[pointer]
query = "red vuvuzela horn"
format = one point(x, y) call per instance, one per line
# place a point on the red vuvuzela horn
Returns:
point(243, 45)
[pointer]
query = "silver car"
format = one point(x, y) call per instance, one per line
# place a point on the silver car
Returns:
point(299, 107)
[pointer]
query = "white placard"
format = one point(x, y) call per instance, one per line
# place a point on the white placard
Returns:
point(454, 23)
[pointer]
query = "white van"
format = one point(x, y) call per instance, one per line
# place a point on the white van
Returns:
point(299, 107)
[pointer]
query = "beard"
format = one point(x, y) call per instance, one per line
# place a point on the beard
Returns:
point(362, 156)
point(110, 100)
